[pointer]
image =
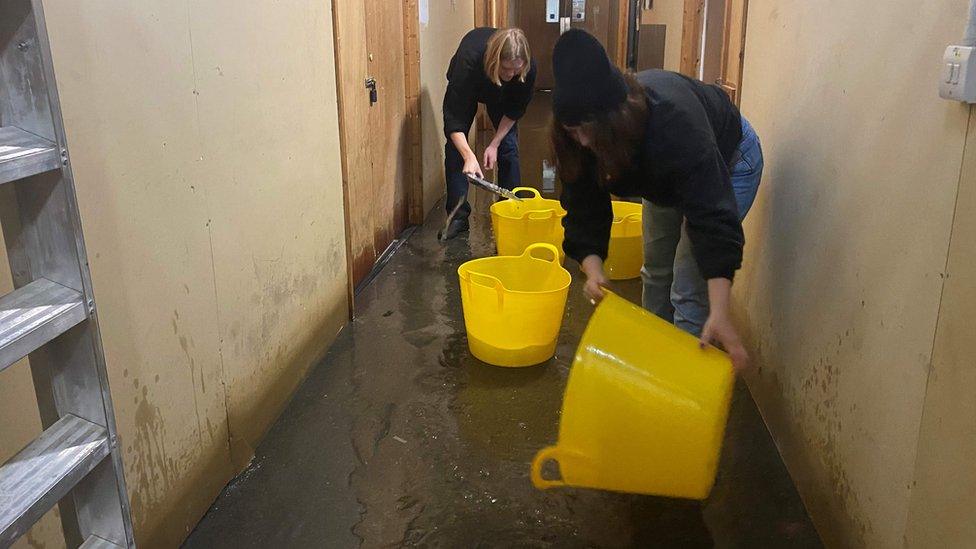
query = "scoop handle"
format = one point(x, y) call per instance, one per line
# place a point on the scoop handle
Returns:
point(532, 248)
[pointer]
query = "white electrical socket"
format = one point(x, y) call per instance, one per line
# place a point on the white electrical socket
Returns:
point(958, 80)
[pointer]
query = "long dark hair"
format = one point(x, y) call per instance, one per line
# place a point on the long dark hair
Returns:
point(614, 138)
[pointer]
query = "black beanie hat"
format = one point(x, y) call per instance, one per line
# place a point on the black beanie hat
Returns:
point(586, 82)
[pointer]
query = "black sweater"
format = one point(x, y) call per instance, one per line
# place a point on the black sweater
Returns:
point(693, 131)
point(468, 85)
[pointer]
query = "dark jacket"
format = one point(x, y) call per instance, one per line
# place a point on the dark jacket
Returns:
point(468, 85)
point(693, 131)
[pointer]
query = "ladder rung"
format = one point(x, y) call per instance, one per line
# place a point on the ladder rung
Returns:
point(24, 154)
point(34, 315)
point(95, 542)
point(45, 471)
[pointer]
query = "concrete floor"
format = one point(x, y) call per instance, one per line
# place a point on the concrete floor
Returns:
point(400, 437)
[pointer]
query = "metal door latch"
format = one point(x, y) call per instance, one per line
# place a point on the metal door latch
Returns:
point(371, 86)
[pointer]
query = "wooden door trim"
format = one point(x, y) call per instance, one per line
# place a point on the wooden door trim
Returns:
point(732, 84)
point(692, 24)
point(414, 149)
point(343, 146)
point(623, 28)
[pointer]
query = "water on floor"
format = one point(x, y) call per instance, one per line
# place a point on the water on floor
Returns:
point(401, 438)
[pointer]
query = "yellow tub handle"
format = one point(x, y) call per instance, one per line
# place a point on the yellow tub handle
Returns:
point(532, 248)
point(532, 190)
point(540, 215)
point(544, 455)
point(489, 281)
point(628, 225)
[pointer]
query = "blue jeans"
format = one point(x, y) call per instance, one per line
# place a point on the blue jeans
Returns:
point(673, 288)
point(508, 167)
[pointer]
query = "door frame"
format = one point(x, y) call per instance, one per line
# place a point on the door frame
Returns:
point(734, 48)
point(413, 173)
point(624, 15)
point(692, 27)
point(733, 43)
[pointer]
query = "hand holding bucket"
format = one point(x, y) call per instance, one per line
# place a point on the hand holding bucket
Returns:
point(644, 410)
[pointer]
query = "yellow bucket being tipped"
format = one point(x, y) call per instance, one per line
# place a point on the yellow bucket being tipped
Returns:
point(513, 306)
point(520, 223)
point(644, 410)
point(626, 252)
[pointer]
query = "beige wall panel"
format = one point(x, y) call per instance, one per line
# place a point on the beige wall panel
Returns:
point(847, 244)
point(268, 131)
point(126, 82)
point(205, 150)
point(943, 512)
point(439, 37)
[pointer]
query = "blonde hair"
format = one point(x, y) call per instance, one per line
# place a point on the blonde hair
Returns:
point(507, 45)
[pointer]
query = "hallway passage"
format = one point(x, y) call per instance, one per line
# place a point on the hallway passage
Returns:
point(399, 437)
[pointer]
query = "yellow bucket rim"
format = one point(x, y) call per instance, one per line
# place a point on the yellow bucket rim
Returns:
point(632, 217)
point(555, 210)
point(464, 271)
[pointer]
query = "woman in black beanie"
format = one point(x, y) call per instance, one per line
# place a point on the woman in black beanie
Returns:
point(684, 148)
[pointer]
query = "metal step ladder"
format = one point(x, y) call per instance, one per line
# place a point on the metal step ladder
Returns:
point(50, 316)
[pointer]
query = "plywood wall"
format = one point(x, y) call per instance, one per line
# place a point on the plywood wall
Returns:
point(847, 246)
point(441, 32)
point(204, 139)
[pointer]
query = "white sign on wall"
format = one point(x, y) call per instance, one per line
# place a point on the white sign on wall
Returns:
point(552, 11)
point(579, 10)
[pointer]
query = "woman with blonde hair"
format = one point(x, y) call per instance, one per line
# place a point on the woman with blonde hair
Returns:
point(494, 67)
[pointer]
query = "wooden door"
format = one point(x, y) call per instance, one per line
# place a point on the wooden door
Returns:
point(369, 39)
point(604, 19)
point(530, 16)
point(692, 26)
point(387, 138)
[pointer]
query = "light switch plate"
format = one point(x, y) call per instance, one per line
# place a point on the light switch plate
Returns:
point(957, 81)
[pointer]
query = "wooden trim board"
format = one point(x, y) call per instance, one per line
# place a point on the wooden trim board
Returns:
point(623, 20)
point(343, 145)
point(692, 25)
point(414, 148)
